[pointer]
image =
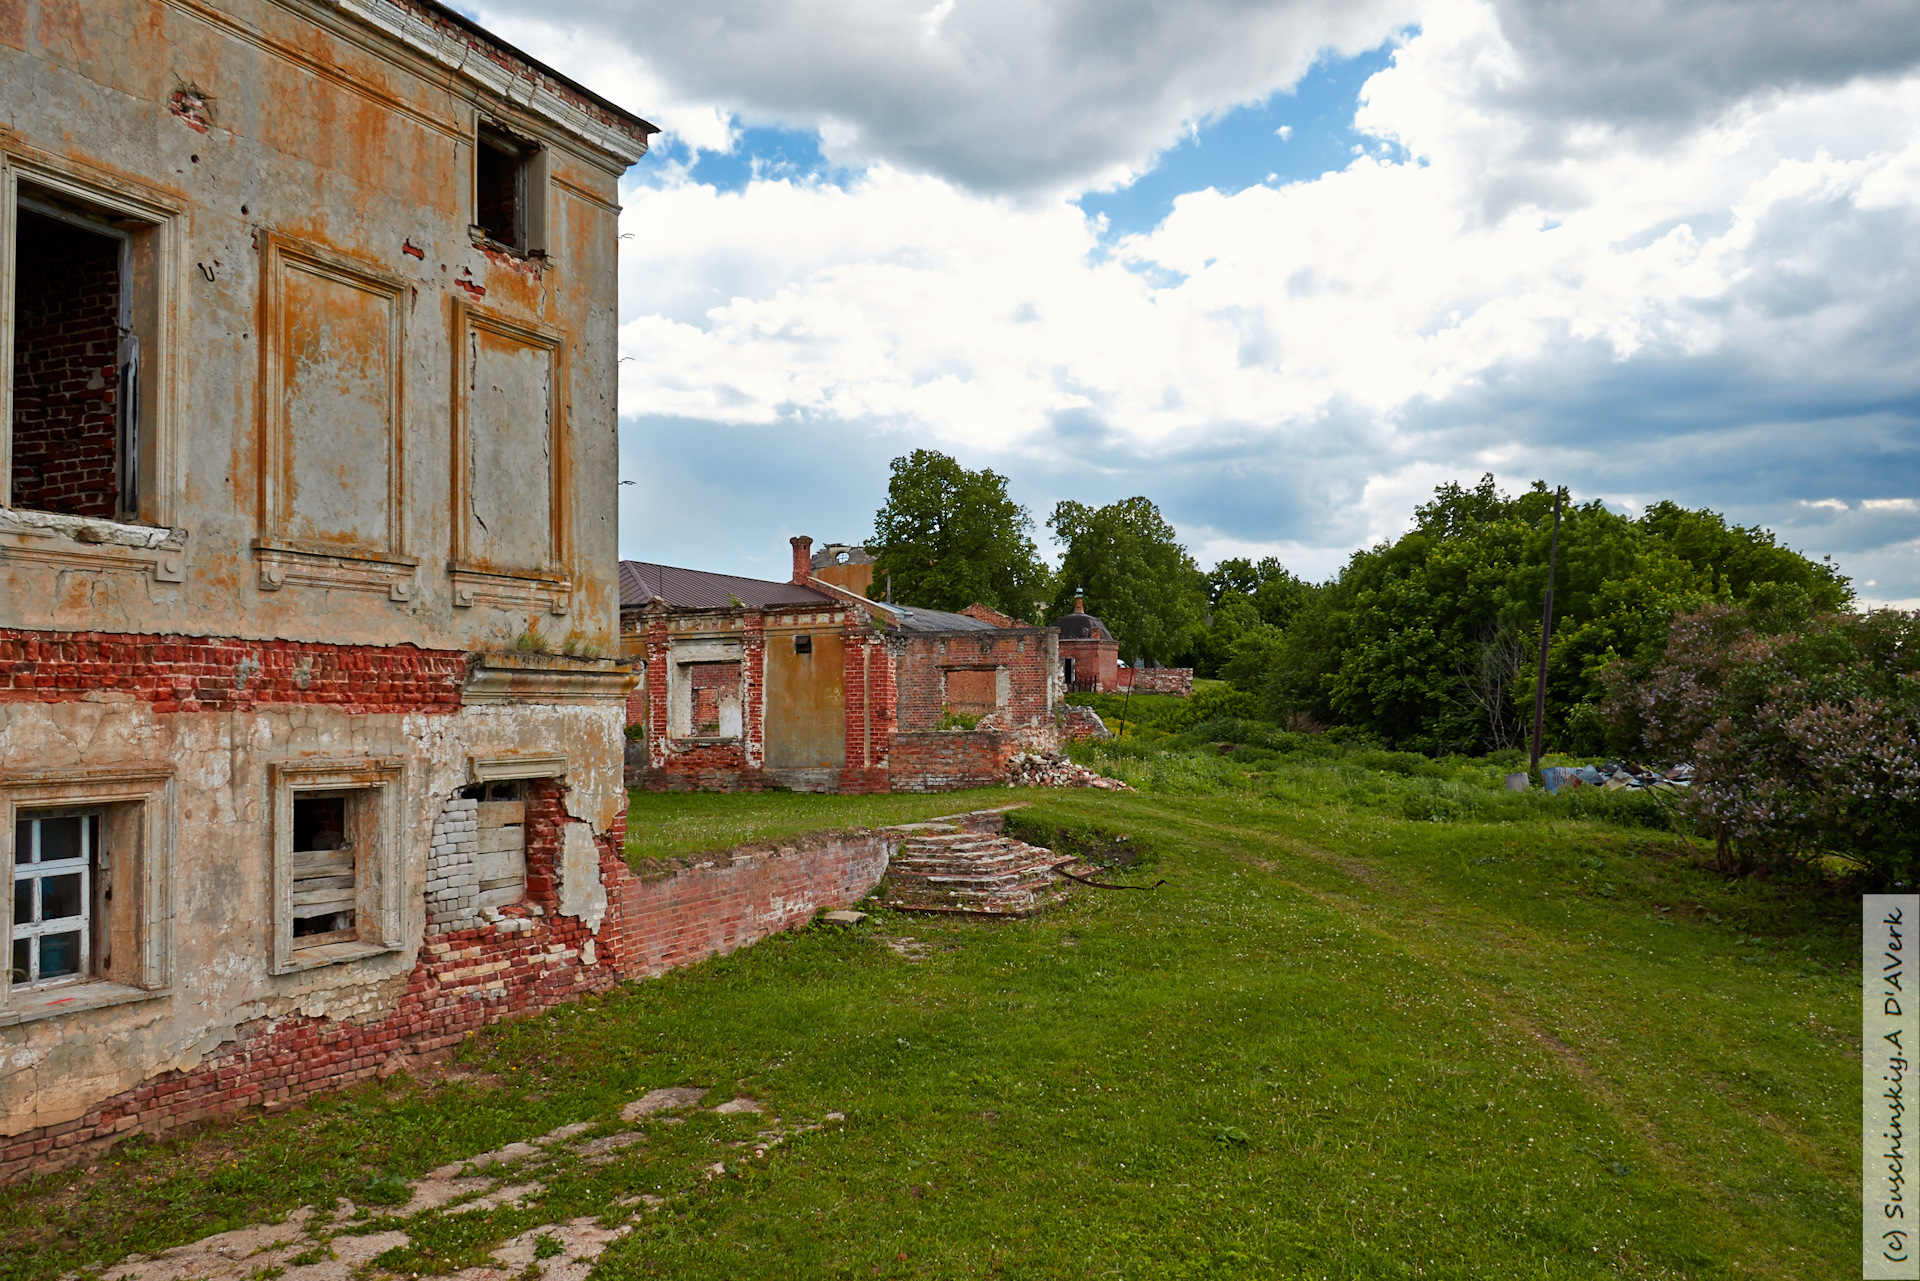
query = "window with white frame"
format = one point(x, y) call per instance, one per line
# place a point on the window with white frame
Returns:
point(89, 855)
point(54, 870)
point(337, 869)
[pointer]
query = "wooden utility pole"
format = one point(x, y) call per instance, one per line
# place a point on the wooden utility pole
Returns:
point(1546, 634)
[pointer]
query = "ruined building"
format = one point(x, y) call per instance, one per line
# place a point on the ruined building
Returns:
point(811, 686)
point(310, 715)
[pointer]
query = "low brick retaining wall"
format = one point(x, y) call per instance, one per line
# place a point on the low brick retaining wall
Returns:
point(669, 914)
point(1157, 680)
point(947, 760)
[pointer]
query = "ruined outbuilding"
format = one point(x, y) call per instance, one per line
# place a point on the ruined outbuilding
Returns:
point(811, 686)
point(310, 720)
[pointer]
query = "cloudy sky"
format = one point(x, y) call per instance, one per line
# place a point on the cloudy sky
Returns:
point(1281, 267)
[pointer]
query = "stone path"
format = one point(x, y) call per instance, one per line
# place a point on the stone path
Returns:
point(332, 1244)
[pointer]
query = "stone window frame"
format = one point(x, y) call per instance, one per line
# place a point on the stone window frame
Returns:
point(684, 654)
point(380, 872)
point(146, 540)
point(140, 801)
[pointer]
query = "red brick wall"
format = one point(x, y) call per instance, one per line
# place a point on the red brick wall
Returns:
point(1093, 660)
point(934, 761)
point(680, 912)
point(202, 674)
point(925, 657)
point(66, 351)
point(871, 700)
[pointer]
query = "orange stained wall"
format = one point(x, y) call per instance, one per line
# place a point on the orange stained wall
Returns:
point(321, 325)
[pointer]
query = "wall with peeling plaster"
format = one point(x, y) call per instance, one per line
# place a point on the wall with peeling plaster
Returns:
point(339, 386)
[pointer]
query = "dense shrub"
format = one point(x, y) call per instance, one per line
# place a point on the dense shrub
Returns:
point(1804, 733)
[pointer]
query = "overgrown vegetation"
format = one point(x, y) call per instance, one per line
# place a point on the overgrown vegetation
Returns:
point(1382, 1021)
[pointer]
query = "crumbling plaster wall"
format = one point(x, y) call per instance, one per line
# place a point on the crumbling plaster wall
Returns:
point(312, 138)
point(55, 1068)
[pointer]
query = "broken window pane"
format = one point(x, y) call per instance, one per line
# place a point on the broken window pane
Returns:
point(71, 350)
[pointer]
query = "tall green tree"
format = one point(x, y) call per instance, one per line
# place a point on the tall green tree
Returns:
point(950, 537)
point(1136, 576)
point(1429, 641)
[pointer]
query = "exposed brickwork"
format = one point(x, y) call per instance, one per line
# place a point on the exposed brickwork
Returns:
point(936, 761)
point(680, 912)
point(926, 660)
point(1157, 680)
point(66, 353)
point(202, 674)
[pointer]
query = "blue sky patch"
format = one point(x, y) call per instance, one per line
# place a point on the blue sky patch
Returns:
point(1246, 147)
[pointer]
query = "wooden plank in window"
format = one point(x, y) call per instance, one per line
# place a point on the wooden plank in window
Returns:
point(501, 813)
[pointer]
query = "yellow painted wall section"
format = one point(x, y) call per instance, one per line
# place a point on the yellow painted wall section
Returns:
point(806, 703)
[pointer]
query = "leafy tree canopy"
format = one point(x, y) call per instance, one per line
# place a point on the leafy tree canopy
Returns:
point(1137, 577)
point(1429, 642)
point(950, 537)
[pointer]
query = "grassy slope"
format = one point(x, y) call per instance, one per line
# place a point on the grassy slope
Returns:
point(1338, 1043)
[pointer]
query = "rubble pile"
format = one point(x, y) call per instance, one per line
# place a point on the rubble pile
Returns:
point(1030, 769)
point(1616, 776)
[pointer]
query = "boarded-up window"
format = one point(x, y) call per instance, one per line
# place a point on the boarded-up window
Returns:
point(971, 693)
point(500, 852)
point(324, 872)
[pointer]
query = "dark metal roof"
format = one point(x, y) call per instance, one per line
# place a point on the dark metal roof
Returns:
point(642, 582)
point(1082, 627)
point(911, 619)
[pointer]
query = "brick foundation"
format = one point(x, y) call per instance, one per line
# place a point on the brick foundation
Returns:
point(672, 914)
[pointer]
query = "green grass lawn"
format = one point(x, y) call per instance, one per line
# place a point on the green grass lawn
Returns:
point(664, 824)
point(1340, 1042)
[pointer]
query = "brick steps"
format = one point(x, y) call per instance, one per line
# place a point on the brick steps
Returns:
point(972, 874)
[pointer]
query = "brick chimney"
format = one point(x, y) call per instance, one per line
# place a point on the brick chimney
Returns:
point(1079, 603)
point(802, 558)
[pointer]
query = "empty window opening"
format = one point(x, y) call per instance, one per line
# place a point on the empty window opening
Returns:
point(75, 365)
point(325, 874)
point(502, 188)
point(1067, 663)
point(803, 644)
point(500, 851)
point(56, 863)
point(714, 690)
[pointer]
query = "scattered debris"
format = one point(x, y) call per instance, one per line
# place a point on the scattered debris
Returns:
point(1029, 769)
point(1614, 776)
point(843, 917)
